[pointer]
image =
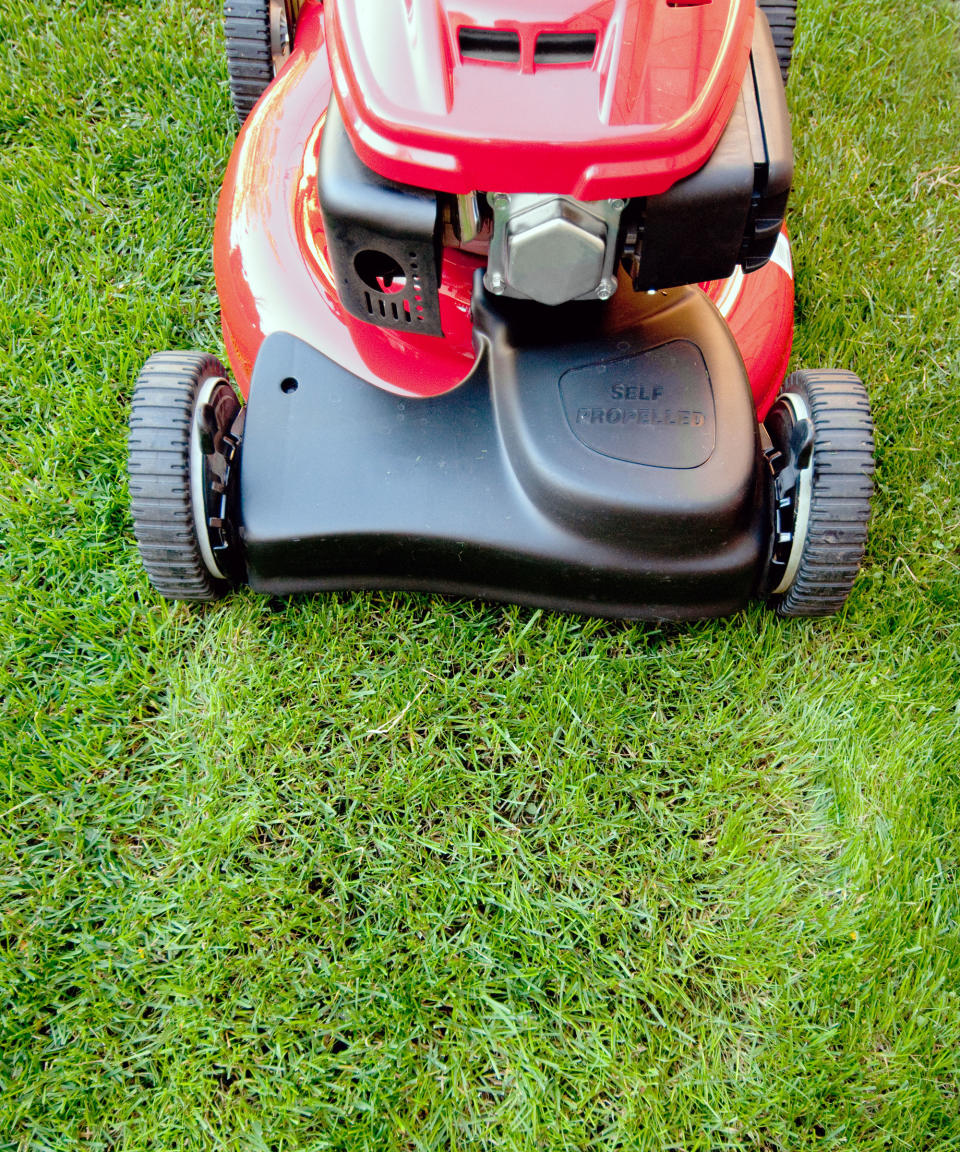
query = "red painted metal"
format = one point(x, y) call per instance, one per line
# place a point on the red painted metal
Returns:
point(758, 310)
point(273, 275)
point(646, 111)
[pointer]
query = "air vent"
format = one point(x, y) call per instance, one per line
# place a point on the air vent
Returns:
point(565, 48)
point(490, 44)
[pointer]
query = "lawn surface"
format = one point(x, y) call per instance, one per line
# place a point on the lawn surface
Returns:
point(389, 872)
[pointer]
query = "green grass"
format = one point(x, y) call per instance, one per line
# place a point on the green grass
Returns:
point(390, 872)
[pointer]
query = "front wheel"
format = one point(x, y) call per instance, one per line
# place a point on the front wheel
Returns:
point(181, 450)
point(822, 435)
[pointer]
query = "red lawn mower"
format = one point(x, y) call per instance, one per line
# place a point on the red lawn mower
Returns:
point(509, 301)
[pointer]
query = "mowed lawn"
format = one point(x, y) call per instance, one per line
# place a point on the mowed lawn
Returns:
point(390, 872)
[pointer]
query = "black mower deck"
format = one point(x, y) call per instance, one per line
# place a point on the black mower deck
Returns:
point(593, 462)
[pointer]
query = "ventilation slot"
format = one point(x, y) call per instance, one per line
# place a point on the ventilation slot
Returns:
point(417, 289)
point(565, 48)
point(490, 44)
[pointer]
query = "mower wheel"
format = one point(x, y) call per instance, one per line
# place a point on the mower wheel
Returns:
point(830, 489)
point(782, 17)
point(259, 36)
point(168, 473)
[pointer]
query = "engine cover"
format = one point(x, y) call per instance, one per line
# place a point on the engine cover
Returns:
point(573, 97)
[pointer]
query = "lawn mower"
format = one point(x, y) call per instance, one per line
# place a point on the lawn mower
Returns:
point(508, 298)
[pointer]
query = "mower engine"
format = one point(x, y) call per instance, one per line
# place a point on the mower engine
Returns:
point(509, 299)
point(549, 246)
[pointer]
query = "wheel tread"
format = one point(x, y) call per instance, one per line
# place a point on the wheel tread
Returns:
point(249, 52)
point(158, 470)
point(782, 18)
point(842, 487)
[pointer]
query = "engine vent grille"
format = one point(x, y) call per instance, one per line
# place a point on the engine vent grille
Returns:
point(503, 46)
point(490, 44)
point(565, 48)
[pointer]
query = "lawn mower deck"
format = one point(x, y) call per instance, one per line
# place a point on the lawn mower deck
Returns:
point(482, 359)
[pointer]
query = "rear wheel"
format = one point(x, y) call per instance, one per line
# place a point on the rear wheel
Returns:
point(822, 434)
point(782, 18)
point(259, 36)
point(178, 469)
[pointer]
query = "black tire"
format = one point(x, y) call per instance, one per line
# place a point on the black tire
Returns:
point(256, 46)
point(159, 471)
point(782, 18)
point(840, 492)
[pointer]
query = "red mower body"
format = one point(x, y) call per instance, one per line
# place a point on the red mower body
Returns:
point(644, 111)
point(615, 98)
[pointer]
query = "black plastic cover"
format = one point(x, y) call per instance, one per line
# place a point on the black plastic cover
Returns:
point(695, 231)
point(766, 106)
point(528, 482)
point(383, 238)
point(731, 211)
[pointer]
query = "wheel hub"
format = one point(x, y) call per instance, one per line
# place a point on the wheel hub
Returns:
point(214, 444)
point(790, 427)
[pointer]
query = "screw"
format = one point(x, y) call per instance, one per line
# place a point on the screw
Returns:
point(617, 205)
point(501, 200)
point(496, 284)
point(606, 288)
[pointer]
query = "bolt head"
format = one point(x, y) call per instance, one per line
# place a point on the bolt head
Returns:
point(605, 289)
point(501, 200)
point(617, 205)
point(496, 284)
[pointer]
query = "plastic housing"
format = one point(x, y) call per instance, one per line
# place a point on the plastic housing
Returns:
point(542, 479)
point(425, 104)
